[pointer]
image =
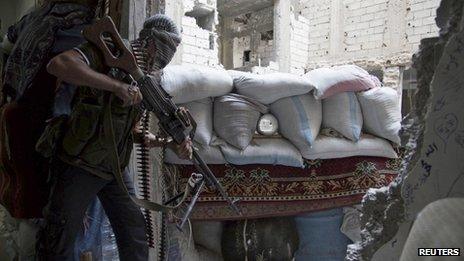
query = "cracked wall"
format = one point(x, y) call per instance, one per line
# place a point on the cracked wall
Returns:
point(434, 136)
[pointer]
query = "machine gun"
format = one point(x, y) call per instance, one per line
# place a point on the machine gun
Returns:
point(172, 121)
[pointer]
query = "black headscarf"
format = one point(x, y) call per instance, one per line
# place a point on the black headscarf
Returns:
point(163, 31)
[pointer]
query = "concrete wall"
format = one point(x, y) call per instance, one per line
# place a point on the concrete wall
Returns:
point(375, 34)
point(318, 15)
point(348, 30)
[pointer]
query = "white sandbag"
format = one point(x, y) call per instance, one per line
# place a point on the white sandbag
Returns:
point(299, 119)
point(236, 117)
point(210, 154)
point(193, 82)
point(342, 113)
point(331, 148)
point(268, 88)
point(202, 113)
point(275, 151)
point(381, 112)
point(330, 81)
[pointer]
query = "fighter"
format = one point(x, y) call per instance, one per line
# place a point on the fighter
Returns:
point(82, 148)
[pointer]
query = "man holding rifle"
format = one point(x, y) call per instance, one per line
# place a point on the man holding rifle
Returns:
point(83, 159)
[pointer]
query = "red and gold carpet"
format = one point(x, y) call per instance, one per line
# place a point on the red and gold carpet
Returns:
point(267, 190)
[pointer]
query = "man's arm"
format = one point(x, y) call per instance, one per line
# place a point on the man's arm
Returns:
point(71, 67)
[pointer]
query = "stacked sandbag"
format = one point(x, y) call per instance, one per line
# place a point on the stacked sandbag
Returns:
point(381, 111)
point(299, 119)
point(202, 113)
point(236, 117)
point(330, 81)
point(325, 123)
point(327, 147)
point(187, 83)
point(275, 151)
point(268, 88)
point(210, 154)
point(342, 113)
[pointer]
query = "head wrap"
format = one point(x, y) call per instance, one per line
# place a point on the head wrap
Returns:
point(163, 31)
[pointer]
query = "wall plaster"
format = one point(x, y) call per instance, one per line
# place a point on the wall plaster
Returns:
point(434, 138)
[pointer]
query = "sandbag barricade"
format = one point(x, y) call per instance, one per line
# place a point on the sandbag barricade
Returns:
point(228, 104)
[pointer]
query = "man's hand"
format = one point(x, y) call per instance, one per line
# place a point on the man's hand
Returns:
point(129, 94)
point(183, 150)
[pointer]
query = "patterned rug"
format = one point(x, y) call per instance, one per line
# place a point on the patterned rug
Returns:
point(268, 190)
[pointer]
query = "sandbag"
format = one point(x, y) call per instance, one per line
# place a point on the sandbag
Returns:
point(381, 112)
point(189, 83)
point(260, 239)
point(275, 151)
point(299, 119)
point(326, 147)
point(342, 113)
point(330, 81)
point(268, 88)
point(210, 154)
point(236, 117)
point(202, 113)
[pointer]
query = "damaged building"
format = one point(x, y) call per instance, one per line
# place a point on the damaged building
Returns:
point(335, 126)
point(297, 36)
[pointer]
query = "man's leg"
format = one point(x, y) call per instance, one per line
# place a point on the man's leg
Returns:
point(126, 220)
point(72, 192)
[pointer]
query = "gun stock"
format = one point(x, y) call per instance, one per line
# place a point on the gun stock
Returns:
point(124, 60)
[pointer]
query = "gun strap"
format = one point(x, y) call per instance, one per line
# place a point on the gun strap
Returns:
point(112, 146)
